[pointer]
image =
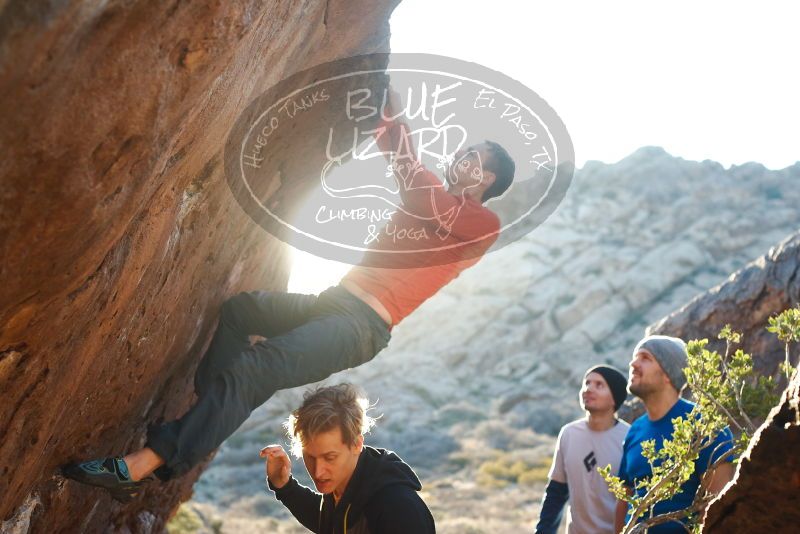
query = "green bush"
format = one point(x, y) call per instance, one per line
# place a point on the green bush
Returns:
point(186, 521)
point(727, 394)
point(504, 470)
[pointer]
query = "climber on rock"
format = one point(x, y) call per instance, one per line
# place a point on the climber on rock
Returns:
point(310, 337)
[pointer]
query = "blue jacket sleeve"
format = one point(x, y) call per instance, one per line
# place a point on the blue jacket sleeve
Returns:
point(722, 443)
point(622, 473)
point(555, 497)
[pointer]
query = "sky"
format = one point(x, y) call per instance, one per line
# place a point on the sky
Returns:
point(705, 80)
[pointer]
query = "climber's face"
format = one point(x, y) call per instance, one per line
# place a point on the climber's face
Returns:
point(595, 395)
point(467, 169)
point(330, 461)
point(645, 376)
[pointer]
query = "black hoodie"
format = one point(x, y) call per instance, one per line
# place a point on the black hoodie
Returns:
point(381, 498)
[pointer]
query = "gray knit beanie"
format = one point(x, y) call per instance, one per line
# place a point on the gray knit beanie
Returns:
point(670, 353)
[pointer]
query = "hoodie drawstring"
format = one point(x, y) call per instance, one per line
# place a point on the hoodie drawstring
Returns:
point(345, 517)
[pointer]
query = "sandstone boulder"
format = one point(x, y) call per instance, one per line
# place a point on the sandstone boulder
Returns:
point(118, 235)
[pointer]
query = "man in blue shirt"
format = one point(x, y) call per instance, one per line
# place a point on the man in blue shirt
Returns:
point(656, 376)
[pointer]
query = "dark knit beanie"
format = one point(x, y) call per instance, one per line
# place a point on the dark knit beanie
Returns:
point(617, 382)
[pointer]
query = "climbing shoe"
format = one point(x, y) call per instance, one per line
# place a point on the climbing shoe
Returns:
point(109, 473)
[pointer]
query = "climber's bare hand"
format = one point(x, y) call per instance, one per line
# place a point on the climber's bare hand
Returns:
point(394, 103)
point(278, 465)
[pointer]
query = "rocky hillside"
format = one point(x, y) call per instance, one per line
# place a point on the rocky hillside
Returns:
point(119, 237)
point(483, 375)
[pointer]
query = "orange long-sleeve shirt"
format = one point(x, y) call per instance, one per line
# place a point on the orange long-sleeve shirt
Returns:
point(459, 231)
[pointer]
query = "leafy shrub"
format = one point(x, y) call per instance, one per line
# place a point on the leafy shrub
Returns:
point(505, 469)
point(726, 394)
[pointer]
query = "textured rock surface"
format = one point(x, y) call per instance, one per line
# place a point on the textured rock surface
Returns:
point(493, 362)
point(118, 236)
point(746, 300)
point(767, 485)
point(765, 497)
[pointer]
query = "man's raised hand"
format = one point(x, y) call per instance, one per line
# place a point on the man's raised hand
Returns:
point(278, 465)
point(393, 102)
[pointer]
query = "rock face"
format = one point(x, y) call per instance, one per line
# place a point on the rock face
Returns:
point(493, 362)
point(765, 496)
point(118, 236)
point(746, 300)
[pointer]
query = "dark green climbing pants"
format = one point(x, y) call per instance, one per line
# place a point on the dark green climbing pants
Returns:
point(308, 339)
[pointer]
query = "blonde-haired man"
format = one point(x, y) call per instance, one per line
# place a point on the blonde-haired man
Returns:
point(360, 489)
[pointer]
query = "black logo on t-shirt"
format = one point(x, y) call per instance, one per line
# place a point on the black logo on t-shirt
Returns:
point(590, 462)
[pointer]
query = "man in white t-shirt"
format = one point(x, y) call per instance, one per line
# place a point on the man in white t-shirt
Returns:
point(583, 446)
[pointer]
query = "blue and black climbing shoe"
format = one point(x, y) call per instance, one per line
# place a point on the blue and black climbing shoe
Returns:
point(109, 473)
